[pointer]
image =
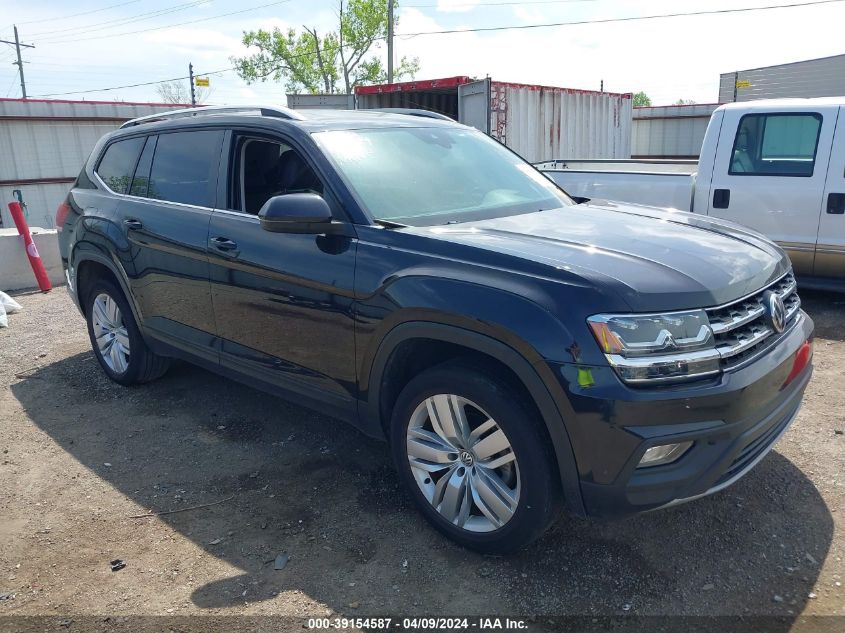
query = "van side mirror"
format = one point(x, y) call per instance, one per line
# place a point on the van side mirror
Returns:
point(297, 213)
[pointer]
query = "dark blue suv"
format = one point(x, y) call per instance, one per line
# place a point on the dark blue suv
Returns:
point(522, 352)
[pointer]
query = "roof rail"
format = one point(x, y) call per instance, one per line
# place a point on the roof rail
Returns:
point(429, 114)
point(271, 111)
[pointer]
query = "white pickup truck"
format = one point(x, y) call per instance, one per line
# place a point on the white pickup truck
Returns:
point(777, 166)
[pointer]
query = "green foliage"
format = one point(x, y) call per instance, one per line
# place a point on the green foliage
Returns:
point(684, 102)
point(641, 99)
point(329, 63)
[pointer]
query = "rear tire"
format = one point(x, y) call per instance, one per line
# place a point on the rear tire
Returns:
point(115, 338)
point(475, 458)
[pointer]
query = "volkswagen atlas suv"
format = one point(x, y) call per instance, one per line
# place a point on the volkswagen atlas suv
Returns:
point(521, 352)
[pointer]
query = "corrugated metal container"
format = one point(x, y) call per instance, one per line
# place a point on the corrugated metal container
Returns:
point(823, 77)
point(44, 144)
point(671, 132)
point(321, 102)
point(538, 122)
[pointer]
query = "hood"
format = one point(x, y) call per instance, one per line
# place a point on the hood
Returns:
point(655, 259)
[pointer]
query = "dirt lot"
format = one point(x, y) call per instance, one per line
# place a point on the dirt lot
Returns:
point(81, 456)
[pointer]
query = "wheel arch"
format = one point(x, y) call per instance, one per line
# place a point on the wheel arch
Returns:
point(375, 415)
point(87, 261)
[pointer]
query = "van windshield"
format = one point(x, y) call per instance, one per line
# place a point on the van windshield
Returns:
point(425, 176)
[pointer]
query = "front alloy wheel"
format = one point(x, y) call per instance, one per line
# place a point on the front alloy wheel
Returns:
point(463, 463)
point(474, 453)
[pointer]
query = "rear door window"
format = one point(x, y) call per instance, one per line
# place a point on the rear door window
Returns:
point(118, 163)
point(184, 167)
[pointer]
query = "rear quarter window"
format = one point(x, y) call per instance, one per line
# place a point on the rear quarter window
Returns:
point(118, 163)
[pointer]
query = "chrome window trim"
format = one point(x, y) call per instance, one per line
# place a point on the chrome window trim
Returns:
point(150, 200)
point(242, 214)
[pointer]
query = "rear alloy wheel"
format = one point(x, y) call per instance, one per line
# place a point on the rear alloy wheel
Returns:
point(110, 333)
point(117, 343)
point(475, 457)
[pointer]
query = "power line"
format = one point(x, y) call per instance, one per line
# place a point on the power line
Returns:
point(481, 29)
point(170, 26)
point(492, 4)
point(145, 83)
point(76, 15)
point(19, 63)
point(109, 24)
point(625, 19)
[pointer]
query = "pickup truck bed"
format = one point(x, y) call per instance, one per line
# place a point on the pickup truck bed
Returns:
point(659, 183)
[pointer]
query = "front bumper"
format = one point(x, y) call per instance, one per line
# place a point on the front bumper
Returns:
point(734, 421)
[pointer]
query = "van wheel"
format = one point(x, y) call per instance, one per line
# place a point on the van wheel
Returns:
point(116, 340)
point(474, 457)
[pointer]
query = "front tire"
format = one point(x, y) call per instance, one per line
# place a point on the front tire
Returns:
point(116, 339)
point(474, 457)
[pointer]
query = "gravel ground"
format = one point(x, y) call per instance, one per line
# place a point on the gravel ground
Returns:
point(81, 456)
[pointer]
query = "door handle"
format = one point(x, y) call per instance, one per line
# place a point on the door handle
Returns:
point(721, 198)
point(133, 224)
point(836, 203)
point(223, 244)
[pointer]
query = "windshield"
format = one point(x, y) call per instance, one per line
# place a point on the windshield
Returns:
point(422, 176)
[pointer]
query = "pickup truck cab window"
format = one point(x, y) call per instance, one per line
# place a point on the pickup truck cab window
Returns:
point(776, 144)
point(422, 176)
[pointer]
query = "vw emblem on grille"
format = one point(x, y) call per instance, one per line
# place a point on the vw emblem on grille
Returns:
point(775, 311)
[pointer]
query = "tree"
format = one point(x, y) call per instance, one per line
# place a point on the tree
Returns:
point(332, 62)
point(684, 102)
point(641, 99)
point(179, 93)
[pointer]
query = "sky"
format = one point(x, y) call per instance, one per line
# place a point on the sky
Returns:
point(90, 45)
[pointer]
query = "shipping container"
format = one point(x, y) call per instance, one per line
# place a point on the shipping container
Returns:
point(44, 144)
point(321, 102)
point(823, 77)
point(670, 132)
point(538, 122)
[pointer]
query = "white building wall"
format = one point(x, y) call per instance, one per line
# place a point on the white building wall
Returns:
point(44, 144)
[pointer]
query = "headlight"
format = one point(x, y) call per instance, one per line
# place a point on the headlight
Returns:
point(645, 348)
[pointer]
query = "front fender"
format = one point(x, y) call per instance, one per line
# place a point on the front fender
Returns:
point(531, 370)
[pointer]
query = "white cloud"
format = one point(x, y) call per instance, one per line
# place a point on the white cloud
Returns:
point(456, 6)
point(528, 15)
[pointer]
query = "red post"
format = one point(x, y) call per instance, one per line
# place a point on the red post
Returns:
point(31, 250)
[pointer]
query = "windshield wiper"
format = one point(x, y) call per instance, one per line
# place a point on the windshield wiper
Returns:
point(389, 224)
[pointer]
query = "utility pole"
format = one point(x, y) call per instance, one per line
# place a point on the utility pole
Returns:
point(193, 91)
point(390, 41)
point(19, 63)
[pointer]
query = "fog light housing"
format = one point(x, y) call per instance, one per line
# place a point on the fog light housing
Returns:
point(663, 454)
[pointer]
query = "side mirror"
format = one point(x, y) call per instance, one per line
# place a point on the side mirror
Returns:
point(297, 213)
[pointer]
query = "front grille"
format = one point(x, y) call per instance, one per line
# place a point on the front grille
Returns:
point(741, 328)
